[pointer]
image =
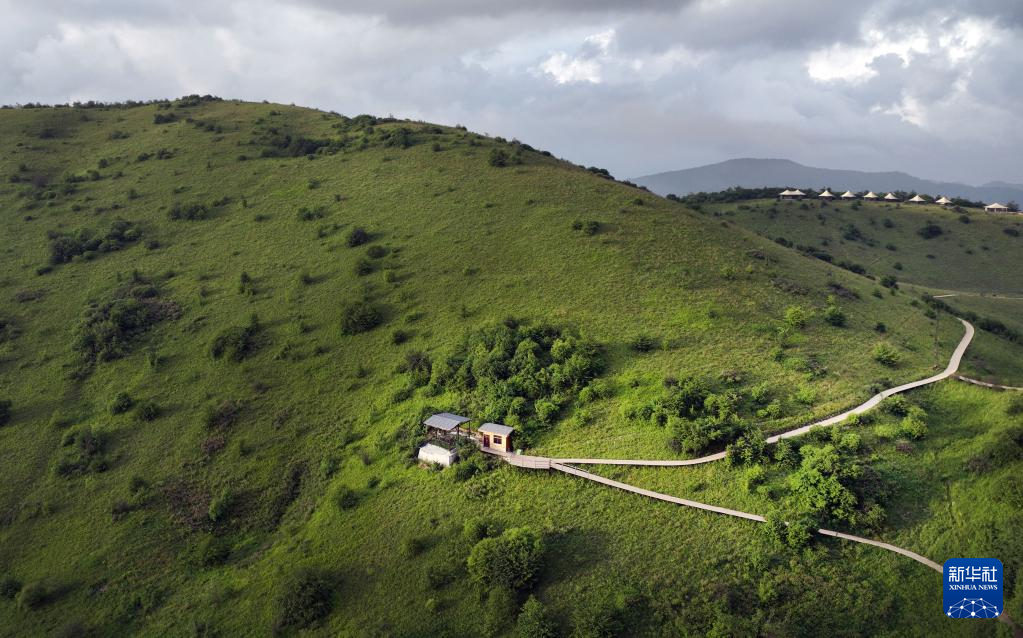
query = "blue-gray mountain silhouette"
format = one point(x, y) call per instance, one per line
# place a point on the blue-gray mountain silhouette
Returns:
point(752, 173)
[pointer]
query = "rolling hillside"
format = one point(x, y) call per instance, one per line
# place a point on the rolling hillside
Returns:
point(967, 258)
point(223, 322)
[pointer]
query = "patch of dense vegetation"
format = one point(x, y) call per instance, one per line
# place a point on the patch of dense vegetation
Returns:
point(520, 374)
point(88, 244)
point(109, 328)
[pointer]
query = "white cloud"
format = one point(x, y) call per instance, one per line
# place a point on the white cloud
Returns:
point(854, 63)
point(564, 68)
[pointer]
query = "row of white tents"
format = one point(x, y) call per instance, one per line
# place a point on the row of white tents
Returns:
point(890, 197)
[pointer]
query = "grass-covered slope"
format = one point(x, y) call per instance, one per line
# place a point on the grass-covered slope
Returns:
point(222, 323)
point(969, 259)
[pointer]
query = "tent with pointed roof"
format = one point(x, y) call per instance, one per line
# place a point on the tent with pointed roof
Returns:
point(792, 194)
point(848, 195)
point(871, 195)
point(916, 199)
point(827, 194)
point(943, 201)
point(996, 208)
point(890, 197)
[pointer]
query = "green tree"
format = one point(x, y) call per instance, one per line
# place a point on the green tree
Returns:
point(819, 485)
point(511, 560)
point(534, 621)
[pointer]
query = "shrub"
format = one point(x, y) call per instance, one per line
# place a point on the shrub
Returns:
point(357, 237)
point(643, 343)
point(303, 598)
point(511, 560)
point(498, 157)
point(122, 403)
point(246, 286)
point(930, 231)
point(223, 415)
point(897, 405)
point(476, 529)
point(363, 267)
point(360, 316)
point(376, 252)
point(886, 355)
point(5, 411)
point(346, 498)
point(34, 595)
point(834, 316)
point(820, 485)
point(889, 281)
point(1014, 407)
point(412, 547)
point(148, 411)
point(796, 316)
point(220, 505)
point(534, 621)
point(236, 342)
point(9, 587)
point(190, 212)
point(912, 427)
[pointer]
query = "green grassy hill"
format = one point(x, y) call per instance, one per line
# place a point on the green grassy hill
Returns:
point(223, 322)
point(968, 258)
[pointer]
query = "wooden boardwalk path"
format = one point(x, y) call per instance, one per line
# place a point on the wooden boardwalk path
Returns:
point(986, 384)
point(565, 465)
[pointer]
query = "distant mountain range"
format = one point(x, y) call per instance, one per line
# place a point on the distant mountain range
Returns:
point(753, 173)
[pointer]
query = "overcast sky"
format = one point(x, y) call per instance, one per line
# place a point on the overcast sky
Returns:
point(931, 87)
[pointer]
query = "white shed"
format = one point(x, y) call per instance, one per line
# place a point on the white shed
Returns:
point(431, 453)
point(996, 208)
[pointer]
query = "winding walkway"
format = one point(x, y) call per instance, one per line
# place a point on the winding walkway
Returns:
point(566, 465)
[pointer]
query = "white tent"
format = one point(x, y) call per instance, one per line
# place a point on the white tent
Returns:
point(890, 197)
point(792, 194)
point(916, 199)
point(996, 208)
point(827, 194)
point(943, 201)
point(848, 195)
point(871, 195)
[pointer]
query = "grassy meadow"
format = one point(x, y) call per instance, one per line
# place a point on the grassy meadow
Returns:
point(222, 323)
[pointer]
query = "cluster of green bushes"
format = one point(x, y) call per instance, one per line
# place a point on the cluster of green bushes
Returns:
point(84, 452)
point(360, 316)
point(284, 145)
point(520, 374)
point(66, 246)
point(191, 212)
point(994, 326)
point(235, 343)
point(108, 329)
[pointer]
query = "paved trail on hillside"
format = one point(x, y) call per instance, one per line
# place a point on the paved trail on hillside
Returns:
point(566, 465)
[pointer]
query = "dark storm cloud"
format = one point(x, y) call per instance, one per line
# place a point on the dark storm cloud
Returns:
point(925, 86)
